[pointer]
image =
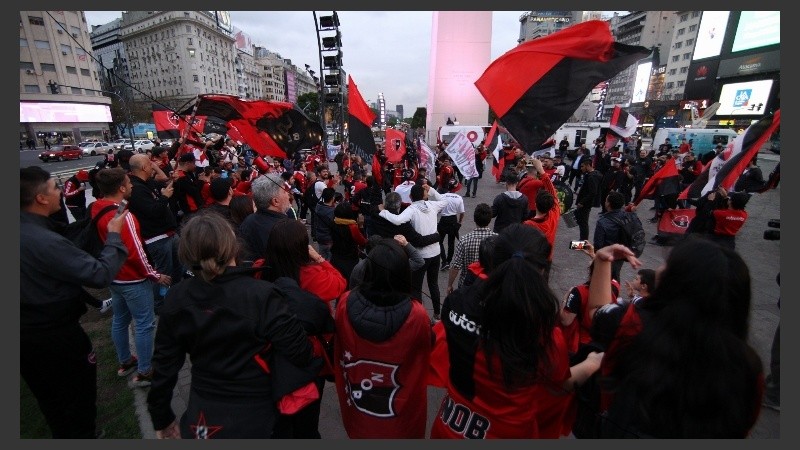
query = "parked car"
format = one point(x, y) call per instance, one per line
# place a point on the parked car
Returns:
point(120, 143)
point(140, 146)
point(95, 148)
point(61, 153)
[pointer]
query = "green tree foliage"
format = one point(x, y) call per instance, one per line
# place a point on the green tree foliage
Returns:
point(309, 103)
point(419, 118)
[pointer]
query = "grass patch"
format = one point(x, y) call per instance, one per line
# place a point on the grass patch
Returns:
point(116, 414)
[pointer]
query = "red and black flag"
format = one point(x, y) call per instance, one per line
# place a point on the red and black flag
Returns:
point(622, 123)
point(270, 128)
point(535, 87)
point(359, 122)
point(395, 148)
point(667, 175)
point(743, 149)
point(171, 125)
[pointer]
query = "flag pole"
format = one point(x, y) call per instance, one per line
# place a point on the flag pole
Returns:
point(189, 124)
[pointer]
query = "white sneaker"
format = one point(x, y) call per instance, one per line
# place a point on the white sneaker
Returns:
point(106, 306)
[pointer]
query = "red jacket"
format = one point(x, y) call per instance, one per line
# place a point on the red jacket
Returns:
point(323, 280)
point(136, 268)
point(548, 224)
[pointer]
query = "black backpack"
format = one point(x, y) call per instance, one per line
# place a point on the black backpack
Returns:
point(83, 233)
point(632, 232)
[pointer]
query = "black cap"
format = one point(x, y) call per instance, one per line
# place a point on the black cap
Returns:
point(187, 157)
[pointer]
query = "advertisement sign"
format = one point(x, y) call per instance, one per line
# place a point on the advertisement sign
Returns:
point(701, 78)
point(710, 34)
point(744, 99)
point(641, 83)
point(243, 42)
point(34, 112)
point(757, 29)
point(462, 153)
point(750, 64)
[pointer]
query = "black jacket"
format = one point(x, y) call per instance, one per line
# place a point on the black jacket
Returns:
point(151, 208)
point(589, 193)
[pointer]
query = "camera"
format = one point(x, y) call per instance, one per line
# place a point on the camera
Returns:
point(773, 235)
point(577, 245)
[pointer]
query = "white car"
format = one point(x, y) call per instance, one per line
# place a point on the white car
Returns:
point(119, 143)
point(95, 148)
point(141, 145)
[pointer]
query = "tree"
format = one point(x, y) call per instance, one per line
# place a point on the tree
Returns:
point(420, 118)
point(391, 121)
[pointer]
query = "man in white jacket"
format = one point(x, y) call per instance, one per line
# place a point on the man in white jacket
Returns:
point(423, 215)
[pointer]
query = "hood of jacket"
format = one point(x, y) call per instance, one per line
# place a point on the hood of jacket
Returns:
point(376, 323)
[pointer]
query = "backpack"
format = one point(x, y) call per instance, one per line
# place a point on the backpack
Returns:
point(83, 233)
point(632, 232)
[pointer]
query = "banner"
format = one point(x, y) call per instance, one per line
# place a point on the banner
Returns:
point(462, 153)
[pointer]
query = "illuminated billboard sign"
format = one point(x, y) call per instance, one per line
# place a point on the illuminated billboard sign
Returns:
point(757, 29)
point(744, 99)
point(710, 34)
point(642, 82)
point(35, 112)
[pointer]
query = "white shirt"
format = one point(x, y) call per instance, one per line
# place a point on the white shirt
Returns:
point(404, 189)
point(423, 215)
point(455, 204)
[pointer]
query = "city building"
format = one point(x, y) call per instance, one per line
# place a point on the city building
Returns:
point(60, 98)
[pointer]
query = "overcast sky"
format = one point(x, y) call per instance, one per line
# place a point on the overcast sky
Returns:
point(384, 51)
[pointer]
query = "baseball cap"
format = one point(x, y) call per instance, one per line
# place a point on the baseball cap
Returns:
point(187, 157)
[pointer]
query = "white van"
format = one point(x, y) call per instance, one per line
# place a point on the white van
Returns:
point(704, 140)
point(578, 133)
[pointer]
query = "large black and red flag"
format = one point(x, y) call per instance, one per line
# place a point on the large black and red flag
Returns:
point(535, 87)
point(359, 123)
point(172, 125)
point(270, 128)
point(667, 176)
point(726, 167)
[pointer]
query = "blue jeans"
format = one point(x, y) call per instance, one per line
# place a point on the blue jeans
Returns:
point(133, 302)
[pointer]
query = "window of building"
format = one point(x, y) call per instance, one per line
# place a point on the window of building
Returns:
point(48, 67)
point(32, 89)
point(689, 42)
point(681, 31)
point(670, 84)
point(79, 51)
point(75, 29)
point(85, 72)
point(672, 71)
point(77, 91)
point(23, 42)
point(191, 53)
point(692, 28)
point(684, 69)
point(684, 17)
point(681, 83)
point(72, 70)
point(676, 58)
point(188, 27)
point(61, 26)
point(195, 78)
point(190, 41)
point(24, 65)
point(65, 48)
point(686, 56)
point(42, 44)
point(34, 20)
point(678, 44)
point(695, 14)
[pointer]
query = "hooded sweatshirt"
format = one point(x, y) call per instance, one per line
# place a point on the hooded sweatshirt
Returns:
point(509, 207)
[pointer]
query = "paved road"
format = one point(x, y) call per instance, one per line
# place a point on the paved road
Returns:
point(571, 268)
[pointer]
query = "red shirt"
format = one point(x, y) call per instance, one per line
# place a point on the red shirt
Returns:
point(548, 224)
point(728, 222)
point(323, 280)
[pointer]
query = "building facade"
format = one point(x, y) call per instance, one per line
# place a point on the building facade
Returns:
point(60, 95)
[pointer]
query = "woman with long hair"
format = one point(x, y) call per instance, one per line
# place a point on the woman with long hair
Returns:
point(515, 381)
point(229, 324)
point(382, 347)
point(680, 365)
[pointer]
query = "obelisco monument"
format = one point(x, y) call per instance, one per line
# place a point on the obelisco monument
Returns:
point(461, 50)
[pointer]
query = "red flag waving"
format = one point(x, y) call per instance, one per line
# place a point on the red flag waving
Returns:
point(395, 148)
point(536, 86)
point(359, 122)
point(490, 135)
point(270, 128)
point(666, 174)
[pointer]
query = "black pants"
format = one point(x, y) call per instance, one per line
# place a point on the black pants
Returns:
point(430, 268)
point(448, 227)
point(582, 217)
point(60, 368)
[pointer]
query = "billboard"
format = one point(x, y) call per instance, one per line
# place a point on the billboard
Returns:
point(655, 90)
point(642, 82)
point(36, 112)
point(710, 34)
point(243, 42)
point(744, 99)
point(757, 29)
point(291, 86)
point(750, 64)
point(223, 20)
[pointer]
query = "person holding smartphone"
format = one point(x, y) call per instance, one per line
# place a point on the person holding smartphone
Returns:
point(132, 290)
point(150, 203)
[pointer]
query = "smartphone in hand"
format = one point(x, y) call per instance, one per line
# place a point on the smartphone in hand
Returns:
point(577, 245)
point(122, 205)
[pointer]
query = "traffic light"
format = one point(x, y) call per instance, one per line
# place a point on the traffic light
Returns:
point(53, 87)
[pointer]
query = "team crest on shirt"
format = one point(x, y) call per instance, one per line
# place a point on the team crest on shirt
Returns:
point(397, 143)
point(681, 221)
point(371, 387)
